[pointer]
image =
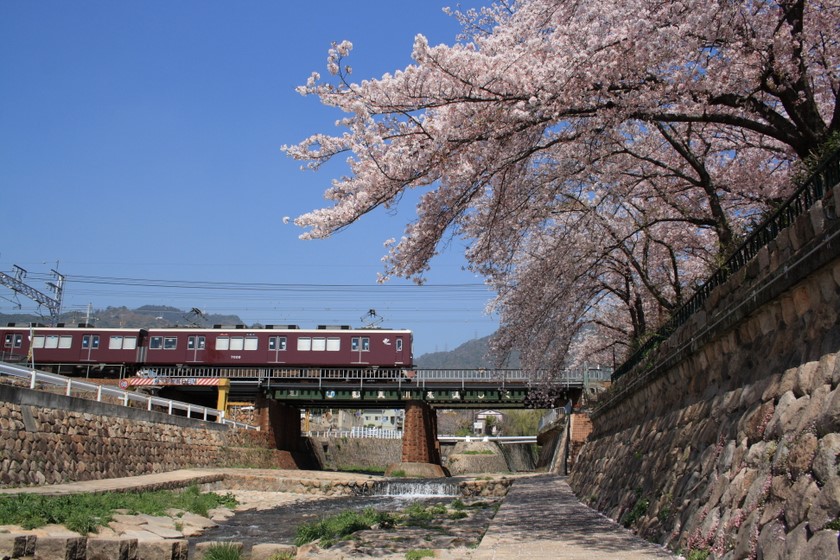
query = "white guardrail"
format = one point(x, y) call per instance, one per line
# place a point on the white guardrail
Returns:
point(380, 433)
point(357, 433)
point(74, 386)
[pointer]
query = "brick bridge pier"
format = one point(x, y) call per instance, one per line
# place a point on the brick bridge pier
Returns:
point(420, 446)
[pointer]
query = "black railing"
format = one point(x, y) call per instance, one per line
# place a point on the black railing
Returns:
point(824, 177)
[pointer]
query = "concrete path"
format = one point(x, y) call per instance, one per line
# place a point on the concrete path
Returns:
point(542, 519)
point(161, 481)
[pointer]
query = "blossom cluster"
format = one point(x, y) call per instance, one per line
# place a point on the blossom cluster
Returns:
point(597, 158)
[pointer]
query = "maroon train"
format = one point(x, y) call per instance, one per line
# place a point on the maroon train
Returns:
point(87, 350)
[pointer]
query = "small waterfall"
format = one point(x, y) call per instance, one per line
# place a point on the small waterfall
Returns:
point(415, 489)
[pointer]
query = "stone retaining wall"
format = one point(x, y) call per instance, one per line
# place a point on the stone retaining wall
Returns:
point(50, 439)
point(343, 453)
point(728, 440)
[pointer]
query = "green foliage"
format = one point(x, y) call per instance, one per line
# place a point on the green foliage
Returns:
point(282, 556)
point(417, 514)
point(459, 514)
point(222, 551)
point(522, 422)
point(330, 529)
point(697, 554)
point(833, 525)
point(84, 513)
point(398, 473)
point(418, 554)
point(457, 504)
point(479, 452)
point(639, 509)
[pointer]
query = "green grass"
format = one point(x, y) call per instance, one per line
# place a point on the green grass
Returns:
point(480, 452)
point(418, 554)
point(85, 513)
point(398, 474)
point(223, 551)
point(335, 527)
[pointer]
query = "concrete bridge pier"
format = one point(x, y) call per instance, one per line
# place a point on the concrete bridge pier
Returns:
point(420, 446)
point(281, 422)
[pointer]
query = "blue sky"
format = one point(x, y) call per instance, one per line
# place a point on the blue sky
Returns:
point(141, 140)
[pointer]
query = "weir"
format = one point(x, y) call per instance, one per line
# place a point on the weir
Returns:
point(415, 489)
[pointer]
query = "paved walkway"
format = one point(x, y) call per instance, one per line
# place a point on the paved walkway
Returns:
point(542, 519)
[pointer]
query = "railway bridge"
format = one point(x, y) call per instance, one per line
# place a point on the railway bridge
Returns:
point(279, 394)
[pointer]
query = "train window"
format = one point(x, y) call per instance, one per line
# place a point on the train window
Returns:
point(37, 342)
point(14, 340)
point(250, 343)
point(277, 343)
point(319, 344)
point(399, 345)
point(88, 341)
point(65, 341)
point(223, 343)
point(156, 342)
point(304, 344)
point(236, 343)
point(170, 343)
point(333, 344)
point(52, 341)
point(358, 342)
point(122, 343)
point(196, 343)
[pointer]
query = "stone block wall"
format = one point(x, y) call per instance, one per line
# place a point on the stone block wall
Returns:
point(728, 439)
point(50, 439)
point(356, 453)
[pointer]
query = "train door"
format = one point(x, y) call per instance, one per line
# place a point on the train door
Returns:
point(398, 349)
point(12, 346)
point(277, 349)
point(360, 349)
point(141, 347)
point(196, 345)
point(90, 347)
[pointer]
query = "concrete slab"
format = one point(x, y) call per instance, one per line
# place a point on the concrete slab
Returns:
point(542, 519)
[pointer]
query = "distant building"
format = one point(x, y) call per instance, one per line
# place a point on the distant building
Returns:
point(387, 419)
point(487, 422)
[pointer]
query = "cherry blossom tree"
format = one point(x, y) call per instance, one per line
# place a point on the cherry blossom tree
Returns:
point(599, 158)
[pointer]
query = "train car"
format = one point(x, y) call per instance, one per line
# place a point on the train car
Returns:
point(87, 350)
point(75, 350)
point(279, 346)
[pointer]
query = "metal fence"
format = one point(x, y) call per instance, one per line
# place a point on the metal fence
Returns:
point(94, 391)
point(813, 189)
point(357, 433)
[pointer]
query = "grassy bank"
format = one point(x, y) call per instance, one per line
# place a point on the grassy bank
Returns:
point(84, 513)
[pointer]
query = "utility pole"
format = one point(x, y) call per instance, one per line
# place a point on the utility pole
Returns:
point(17, 285)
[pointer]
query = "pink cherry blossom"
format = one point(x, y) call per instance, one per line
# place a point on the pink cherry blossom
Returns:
point(599, 158)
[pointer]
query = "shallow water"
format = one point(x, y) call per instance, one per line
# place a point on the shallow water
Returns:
point(279, 525)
